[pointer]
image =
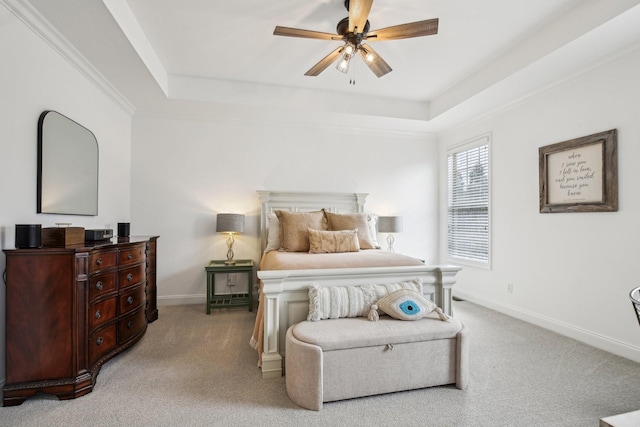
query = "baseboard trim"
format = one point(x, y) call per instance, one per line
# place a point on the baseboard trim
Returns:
point(182, 299)
point(616, 347)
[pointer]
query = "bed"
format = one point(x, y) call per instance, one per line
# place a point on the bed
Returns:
point(284, 287)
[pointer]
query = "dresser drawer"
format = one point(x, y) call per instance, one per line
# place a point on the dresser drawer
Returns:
point(132, 275)
point(102, 312)
point(101, 342)
point(132, 299)
point(102, 260)
point(132, 324)
point(132, 254)
point(102, 284)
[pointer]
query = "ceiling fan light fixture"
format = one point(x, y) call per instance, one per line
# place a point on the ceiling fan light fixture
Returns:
point(343, 63)
point(349, 49)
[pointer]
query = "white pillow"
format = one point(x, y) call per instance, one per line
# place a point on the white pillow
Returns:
point(334, 302)
point(407, 304)
point(373, 230)
point(273, 233)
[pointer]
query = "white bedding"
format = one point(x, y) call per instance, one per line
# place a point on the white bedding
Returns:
point(277, 260)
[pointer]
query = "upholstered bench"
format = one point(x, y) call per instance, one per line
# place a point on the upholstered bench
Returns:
point(344, 358)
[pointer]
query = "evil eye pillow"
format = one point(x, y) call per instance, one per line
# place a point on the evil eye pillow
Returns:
point(407, 304)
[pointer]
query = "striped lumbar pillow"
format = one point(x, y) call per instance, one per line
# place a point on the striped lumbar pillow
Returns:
point(334, 302)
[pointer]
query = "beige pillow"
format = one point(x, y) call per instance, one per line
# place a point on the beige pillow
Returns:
point(353, 221)
point(294, 229)
point(329, 242)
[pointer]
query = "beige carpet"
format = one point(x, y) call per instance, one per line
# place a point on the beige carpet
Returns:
point(191, 369)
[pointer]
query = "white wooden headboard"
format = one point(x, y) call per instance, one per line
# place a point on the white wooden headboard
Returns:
point(305, 202)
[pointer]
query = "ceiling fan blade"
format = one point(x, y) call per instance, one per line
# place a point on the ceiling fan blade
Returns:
point(307, 34)
point(405, 31)
point(358, 14)
point(325, 62)
point(374, 61)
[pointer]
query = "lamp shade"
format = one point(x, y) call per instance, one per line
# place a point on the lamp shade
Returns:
point(389, 224)
point(230, 223)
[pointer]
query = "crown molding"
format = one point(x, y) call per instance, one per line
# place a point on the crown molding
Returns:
point(26, 13)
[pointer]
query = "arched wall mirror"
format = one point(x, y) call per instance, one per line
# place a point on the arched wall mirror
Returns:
point(67, 166)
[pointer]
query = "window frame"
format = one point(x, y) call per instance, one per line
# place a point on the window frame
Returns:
point(473, 143)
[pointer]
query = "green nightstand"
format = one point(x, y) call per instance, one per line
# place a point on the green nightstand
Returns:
point(231, 299)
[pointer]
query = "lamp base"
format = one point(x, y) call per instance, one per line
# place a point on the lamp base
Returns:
point(230, 254)
point(390, 240)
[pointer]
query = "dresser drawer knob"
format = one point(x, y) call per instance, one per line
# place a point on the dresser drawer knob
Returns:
point(130, 300)
point(130, 256)
point(98, 315)
point(99, 261)
point(99, 286)
point(129, 277)
point(99, 341)
point(129, 324)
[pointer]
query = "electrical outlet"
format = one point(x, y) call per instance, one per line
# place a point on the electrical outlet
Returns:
point(510, 288)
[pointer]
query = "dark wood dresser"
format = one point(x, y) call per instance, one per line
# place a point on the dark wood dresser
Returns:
point(71, 309)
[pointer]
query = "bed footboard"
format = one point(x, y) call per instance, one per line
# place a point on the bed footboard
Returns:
point(286, 302)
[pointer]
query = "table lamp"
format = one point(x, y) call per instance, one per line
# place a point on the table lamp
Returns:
point(390, 225)
point(230, 223)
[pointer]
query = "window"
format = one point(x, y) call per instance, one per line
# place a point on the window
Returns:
point(468, 202)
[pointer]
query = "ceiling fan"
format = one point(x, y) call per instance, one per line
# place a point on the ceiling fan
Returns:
point(354, 31)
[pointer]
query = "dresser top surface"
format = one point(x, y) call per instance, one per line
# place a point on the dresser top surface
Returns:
point(88, 246)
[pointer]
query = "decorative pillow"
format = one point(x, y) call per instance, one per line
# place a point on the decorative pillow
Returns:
point(273, 233)
point(327, 242)
point(353, 221)
point(407, 304)
point(334, 302)
point(373, 230)
point(294, 229)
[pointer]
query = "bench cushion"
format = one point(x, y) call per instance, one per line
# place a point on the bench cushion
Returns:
point(338, 334)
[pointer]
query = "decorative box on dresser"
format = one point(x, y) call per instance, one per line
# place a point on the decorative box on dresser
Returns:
point(71, 309)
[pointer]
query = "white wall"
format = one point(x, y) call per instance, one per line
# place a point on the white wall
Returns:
point(34, 78)
point(571, 272)
point(185, 171)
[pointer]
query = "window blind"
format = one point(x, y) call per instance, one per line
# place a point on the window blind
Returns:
point(468, 203)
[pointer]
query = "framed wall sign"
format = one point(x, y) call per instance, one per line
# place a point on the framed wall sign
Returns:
point(580, 175)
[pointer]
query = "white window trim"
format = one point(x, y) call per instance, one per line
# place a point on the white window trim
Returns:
point(484, 139)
